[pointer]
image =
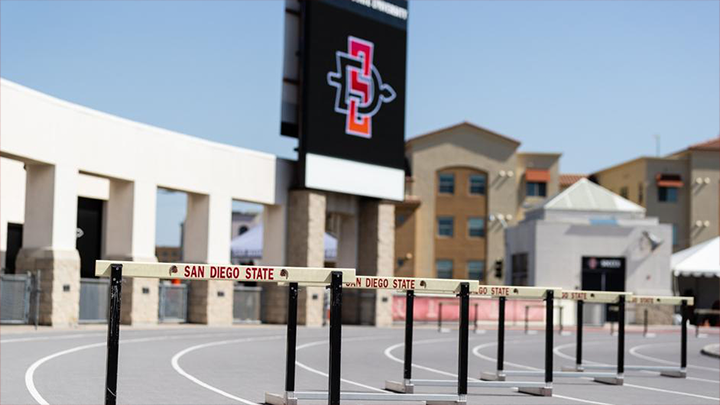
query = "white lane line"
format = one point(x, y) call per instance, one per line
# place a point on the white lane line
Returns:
point(176, 366)
point(634, 352)
point(318, 372)
point(557, 351)
point(30, 372)
point(642, 387)
point(388, 353)
point(30, 339)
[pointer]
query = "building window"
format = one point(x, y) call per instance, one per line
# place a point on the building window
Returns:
point(446, 183)
point(519, 269)
point(400, 262)
point(476, 227)
point(624, 192)
point(475, 269)
point(667, 194)
point(444, 268)
point(445, 226)
point(536, 189)
point(477, 184)
point(675, 234)
point(641, 193)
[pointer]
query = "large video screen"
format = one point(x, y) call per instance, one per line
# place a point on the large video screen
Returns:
point(353, 96)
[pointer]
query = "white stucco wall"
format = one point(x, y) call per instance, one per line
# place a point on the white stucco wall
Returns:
point(12, 199)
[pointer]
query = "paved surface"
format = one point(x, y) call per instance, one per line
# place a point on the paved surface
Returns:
point(200, 365)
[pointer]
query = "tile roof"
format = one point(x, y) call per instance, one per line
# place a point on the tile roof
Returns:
point(570, 179)
point(713, 144)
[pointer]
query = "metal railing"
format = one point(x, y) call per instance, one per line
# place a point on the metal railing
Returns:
point(246, 304)
point(93, 300)
point(15, 298)
point(173, 305)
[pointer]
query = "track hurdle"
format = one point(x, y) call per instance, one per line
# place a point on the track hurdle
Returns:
point(582, 297)
point(410, 286)
point(501, 293)
point(116, 270)
point(667, 371)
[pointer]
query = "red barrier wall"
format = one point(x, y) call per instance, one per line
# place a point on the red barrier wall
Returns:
point(427, 309)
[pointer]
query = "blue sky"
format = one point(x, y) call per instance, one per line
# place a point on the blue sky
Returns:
point(594, 80)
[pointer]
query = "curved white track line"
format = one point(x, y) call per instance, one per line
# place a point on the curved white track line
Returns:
point(388, 353)
point(30, 372)
point(557, 351)
point(634, 352)
point(176, 366)
point(318, 372)
point(565, 356)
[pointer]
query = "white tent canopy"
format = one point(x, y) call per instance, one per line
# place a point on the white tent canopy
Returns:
point(701, 260)
point(249, 245)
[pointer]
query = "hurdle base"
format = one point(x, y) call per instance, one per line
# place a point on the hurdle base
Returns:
point(537, 391)
point(617, 380)
point(679, 373)
point(276, 399)
point(577, 367)
point(492, 376)
point(400, 387)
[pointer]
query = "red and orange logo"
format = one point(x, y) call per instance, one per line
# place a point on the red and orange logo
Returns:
point(360, 91)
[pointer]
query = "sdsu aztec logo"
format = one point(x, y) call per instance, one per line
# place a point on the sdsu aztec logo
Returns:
point(360, 91)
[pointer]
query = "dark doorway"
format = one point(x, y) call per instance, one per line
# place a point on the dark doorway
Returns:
point(14, 243)
point(604, 274)
point(89, 234)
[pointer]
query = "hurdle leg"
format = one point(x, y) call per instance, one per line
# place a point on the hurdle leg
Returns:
point(335, 338)
point(578, 339)
point(440, 317)
point(113, 336)
point(546, 391)
point(499, 374)
point(463, 342)
point(475, 325)
point(682, 372)
point(618, 379)
point(406, 387)
point(289, 397)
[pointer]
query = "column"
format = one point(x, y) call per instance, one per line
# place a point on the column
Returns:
point(306, 248)
point(376, 252)
point(207, 240)
point(49, 238)
point(274, 297)
point(130, 236)
point(347, 257)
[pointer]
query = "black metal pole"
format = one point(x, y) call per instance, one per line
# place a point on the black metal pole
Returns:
point(683, 336)
point(335, 338)
point(527, 311)
point(475, 326)
point(501, 335)
point(291, 338)
point(549, 309)
point(621, 335)
point(409, 321)
point(578, 345)
point(113, 337)
point(645, 322)
point(440, 317)
point(463, 339)
point(560, 321)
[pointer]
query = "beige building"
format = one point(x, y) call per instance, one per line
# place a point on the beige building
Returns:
point(681, 189)
point(465, 185)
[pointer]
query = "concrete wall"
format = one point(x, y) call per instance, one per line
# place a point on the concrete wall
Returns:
point(12, 199)
point(545, 161)
point(470, 147)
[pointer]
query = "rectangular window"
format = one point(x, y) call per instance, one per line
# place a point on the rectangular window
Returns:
point(519, 269)
point(475, 269)
point(445, 226)
point(476, 227)
point(444, 268)
point(477, 184)
point(536, 189)
point(667, 194)
point(674, 234)
point(446, 183)
point(624, 192)
point(400, 219)
point(641, 193)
